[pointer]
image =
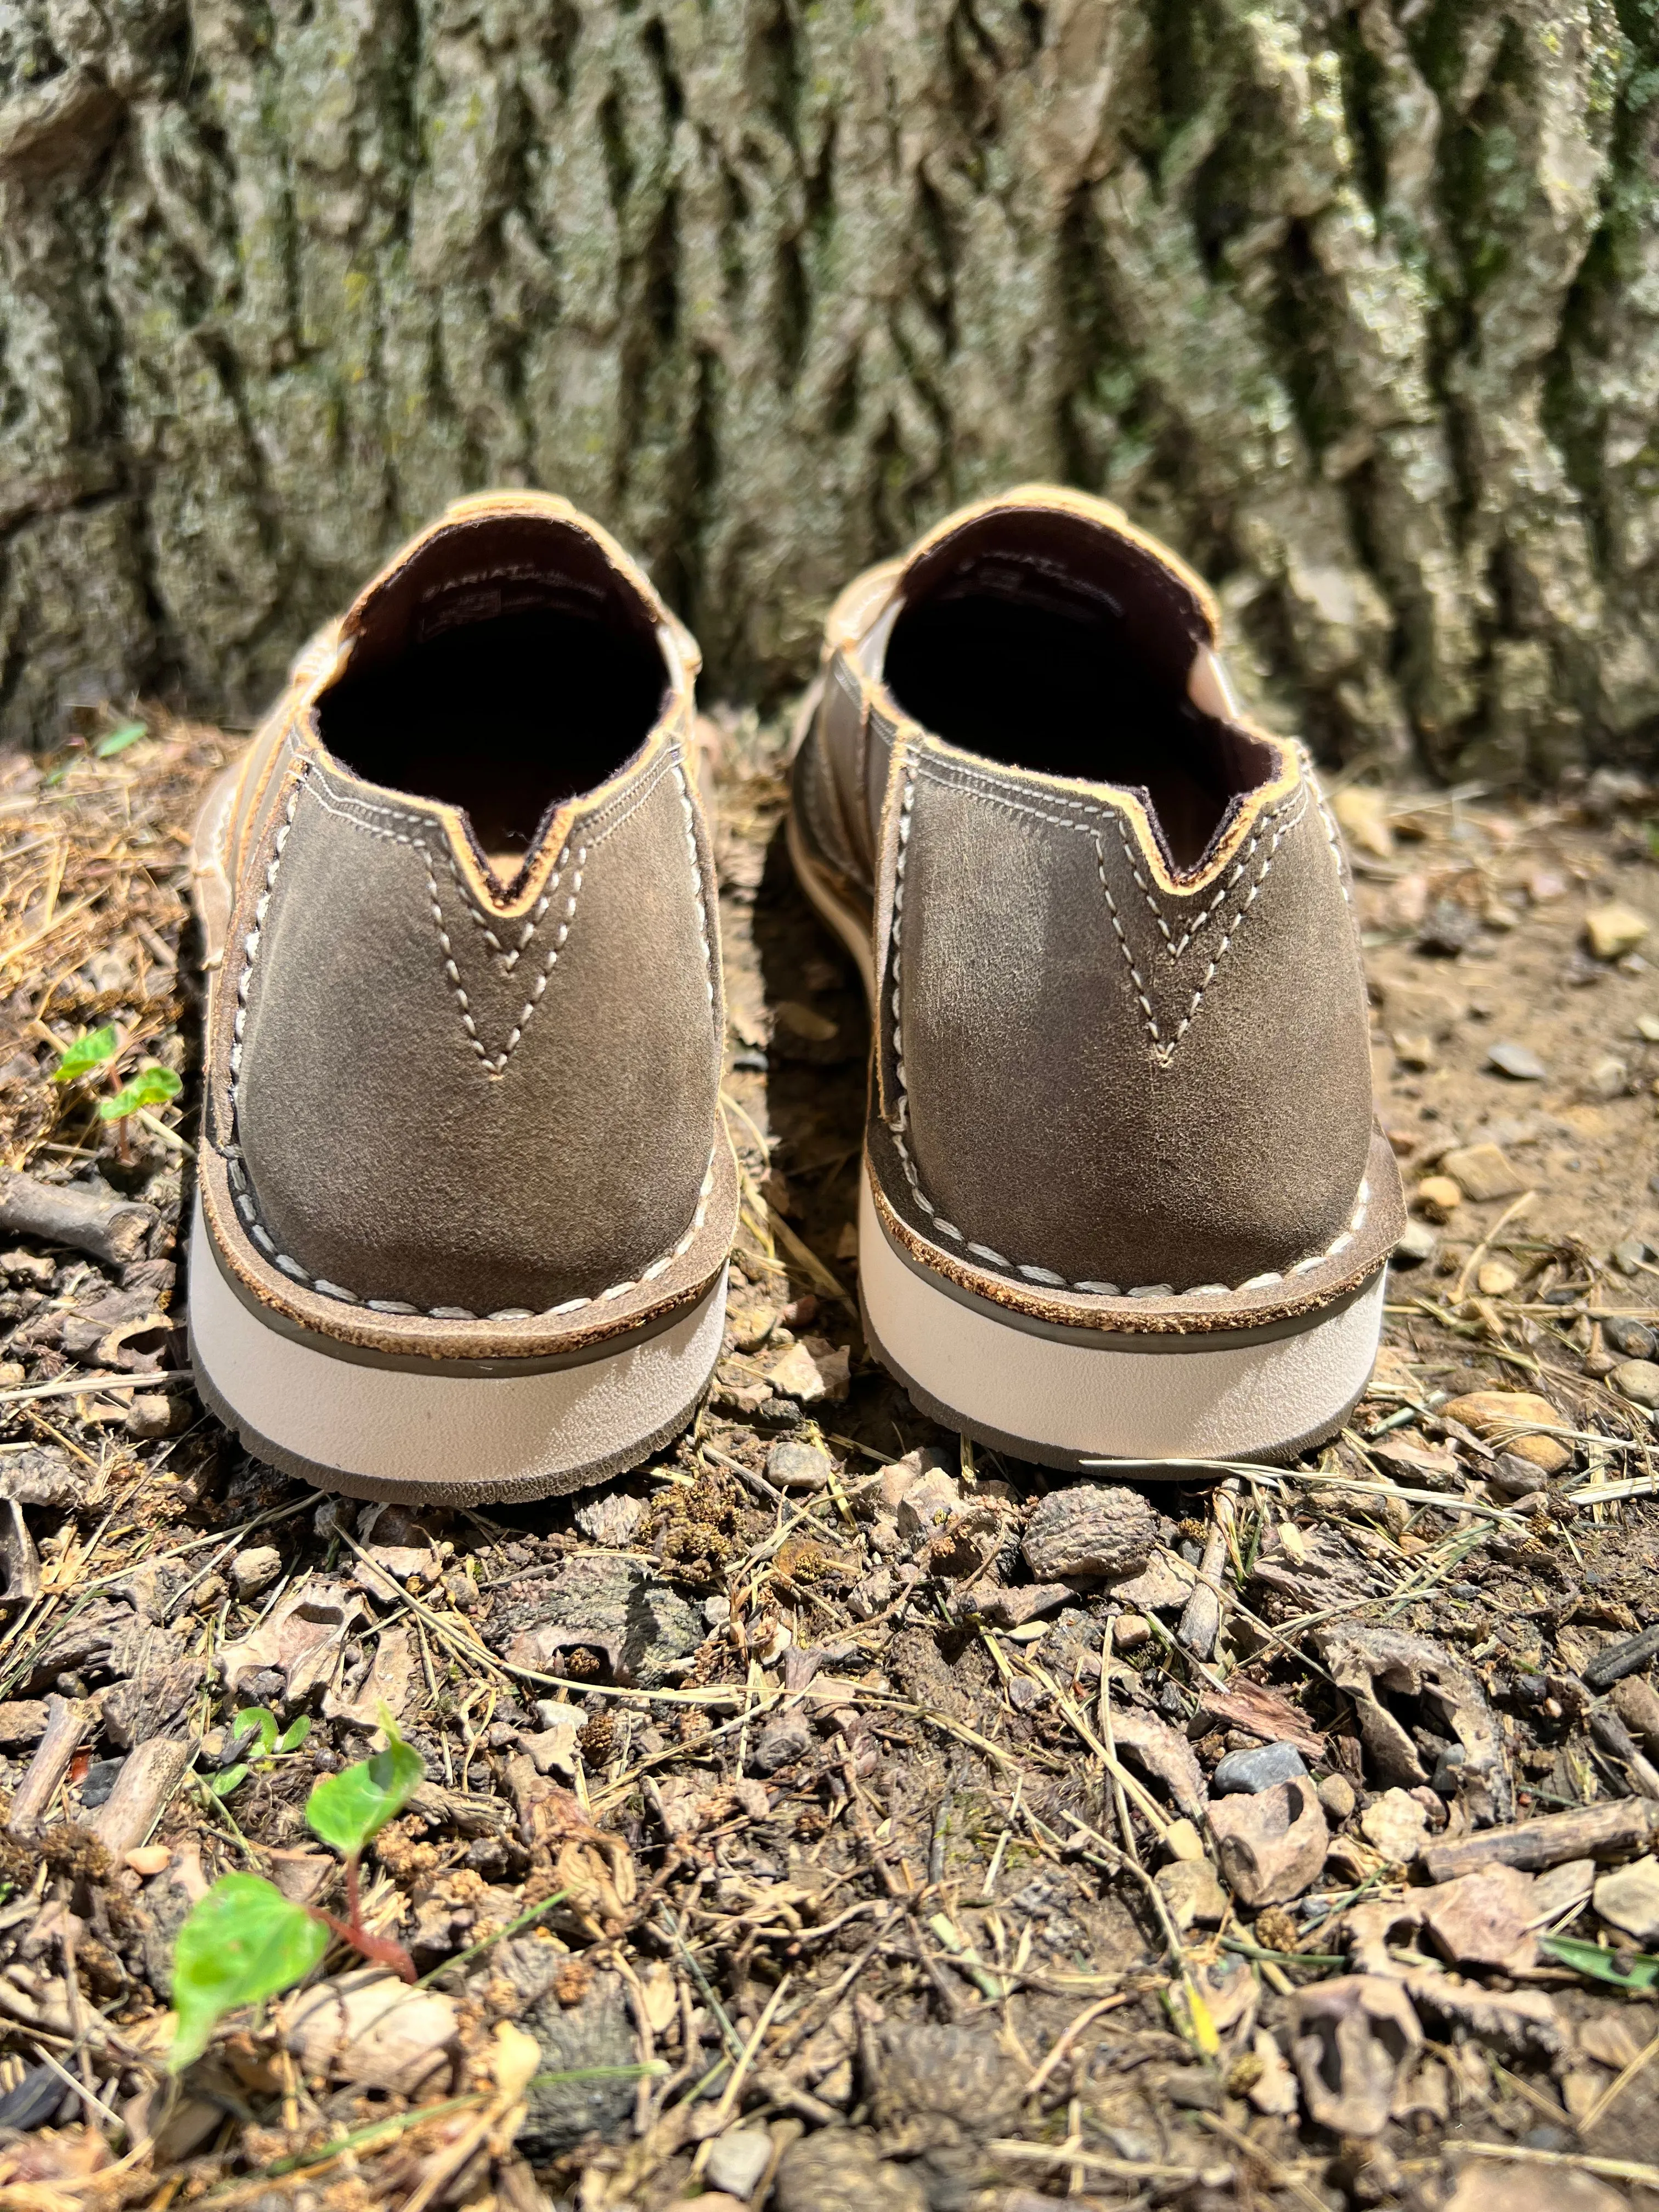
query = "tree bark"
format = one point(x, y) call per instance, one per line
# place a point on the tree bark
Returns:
point(1358, 304)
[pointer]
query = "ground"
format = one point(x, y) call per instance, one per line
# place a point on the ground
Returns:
point(828, 1861)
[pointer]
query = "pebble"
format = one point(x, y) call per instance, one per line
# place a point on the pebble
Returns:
point(1647, 1028)
point(1417, 1244)
point(1338, 1797)
point(613, 1520)
point(1182, 1841)
point(1191, 1891)
point(1612, 930)
point(1258, 1769)
point(1516, 1477)
point(736, 2161)
point(794, 1466)
point(99, 1780)
point(796, 1375)
point(1496, 1278)
point(1631, 1338)
point(1482, 1172)
point(1628, 1898)
point(1129, 1632)
point(1518, 1061)
point(1608, 1079)
point(149, 1415)
point(1628, 1256)
point(1637, 1379)
point(1396, 1824)
point(928, 1504)
point(1439, 1197)
point(13, 1374)
point(255, 1569)
point(1449, 928)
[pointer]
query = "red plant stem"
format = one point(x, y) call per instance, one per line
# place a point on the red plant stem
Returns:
point(384, 1950)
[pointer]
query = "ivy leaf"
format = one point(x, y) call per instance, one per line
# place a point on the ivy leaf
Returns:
point(118, 740)
point(345, 1809)
point(292, 1738)
point(151, 1086)
point(222, 1785)
point(243, 1941)
point(1624, 1969)
point(87, 1053)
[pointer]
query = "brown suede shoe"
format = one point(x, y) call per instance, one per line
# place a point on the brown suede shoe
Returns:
point(1124, 1191)
point(465, 1192)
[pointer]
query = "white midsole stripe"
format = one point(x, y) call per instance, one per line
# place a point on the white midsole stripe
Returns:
point(1226, 1403)
point(393, 1427)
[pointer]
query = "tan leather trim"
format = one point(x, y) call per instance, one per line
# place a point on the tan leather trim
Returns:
point(868, 597)
point(1188, 1315)
point(682, 1282)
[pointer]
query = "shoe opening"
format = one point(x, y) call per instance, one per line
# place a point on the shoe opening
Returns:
point(505, 667)
point(1045, 640)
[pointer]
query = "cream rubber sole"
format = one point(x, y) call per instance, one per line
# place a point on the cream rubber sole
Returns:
point(446, 1437)
point(1068, 1398)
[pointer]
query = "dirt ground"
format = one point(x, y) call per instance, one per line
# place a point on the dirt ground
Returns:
point(888, 1865)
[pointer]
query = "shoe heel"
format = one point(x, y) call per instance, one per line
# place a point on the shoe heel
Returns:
point(447, 1434)
point(1068, 1397)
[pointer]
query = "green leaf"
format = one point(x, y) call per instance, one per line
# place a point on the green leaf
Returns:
point(292, 1738)
point(256, 1717)
point(118, 740)
point(1624, 1970)
point(151, 1086)
point(87, 1052)
point(242, 1942)
point(345, 1809)
point(222, 1785)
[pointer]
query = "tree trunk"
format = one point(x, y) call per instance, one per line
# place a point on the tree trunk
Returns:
point(1356, 304)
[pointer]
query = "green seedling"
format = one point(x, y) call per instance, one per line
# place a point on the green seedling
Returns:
point(89, 1051)
point(272, 1747)
point(151, 1086)
point(1624, 1970)
point(118, 740)
point(244, 1940)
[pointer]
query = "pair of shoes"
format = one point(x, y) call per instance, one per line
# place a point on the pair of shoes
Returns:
point(466, 1194)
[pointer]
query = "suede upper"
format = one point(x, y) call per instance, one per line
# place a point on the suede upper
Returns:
point(450, 1087)
point(1122, 1039)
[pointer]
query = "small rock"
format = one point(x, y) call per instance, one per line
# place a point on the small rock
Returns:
point(1338, 1797)
point(1637, 1379)
point(928, 1504)
point(1447, 928)
point(554, 1744)
point(1352, 2037)
point(1439, 1197)
point(1494, 1416)
point(1608, 1079)
point(1491, 2185)
point(1193, 1894)
point(1260, 1768)
point(835, 1364)
point(1637, 1704)
point(1482, 1919)
point(872, 1594)
point(1482, 1172)
point(1418, 1243)
point(1413, 1052)
point(797, 1467)
point(1271, 1844)
point(1514, 1477)
point(780, 1743)
point(256, 1569)
point(1628, 1898)
point(736, 2161)
point(1518, 1061)
point(796, 1375)
point(149, 1414)
point(1397, 1825)
point(149, 1859)
point(1631, 1338)
point(98, 1781)
point(1182, 1841)
point(1628, 1256)
point(1612, 930)
point(840, 2170)
point(1025, 1603)
point(1496, 1278)
point(1089, 1528)
point(1129, 1632)
point(717, 1610)
point(613, 1520)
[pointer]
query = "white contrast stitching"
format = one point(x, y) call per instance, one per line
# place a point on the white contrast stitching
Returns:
point(241, 1188)
point(898, 1124)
